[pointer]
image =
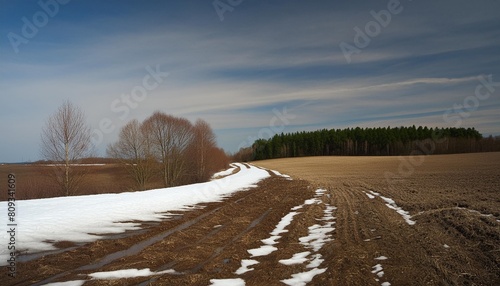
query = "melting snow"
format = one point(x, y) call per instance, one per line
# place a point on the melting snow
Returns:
point(67, 283)
point(318, 235)
point(285, 221)
point(225, 172)
point(281, 175)
point(127, 273)
point(316, 261)
point(245, 263)
point(313, 201)
point(55, 219)
point(227, 282)
point(390, 203)
point(379, 270)
point(297, 258)
point(369, 195)
point(271, 240)
point(301, 279)
point(262, 251)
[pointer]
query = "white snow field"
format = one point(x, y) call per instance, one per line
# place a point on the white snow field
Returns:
point(87, 218)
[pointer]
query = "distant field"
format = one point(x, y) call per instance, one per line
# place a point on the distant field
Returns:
point(454, 200)
point(466, 180)
point(33, 181)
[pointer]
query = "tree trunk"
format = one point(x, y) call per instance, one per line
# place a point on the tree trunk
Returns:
point(66, 178)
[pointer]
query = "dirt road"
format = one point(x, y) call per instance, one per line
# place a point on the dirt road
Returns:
point(339, 221)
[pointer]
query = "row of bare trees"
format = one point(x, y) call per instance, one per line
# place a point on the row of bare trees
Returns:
point(169, 146)
point(163, 146)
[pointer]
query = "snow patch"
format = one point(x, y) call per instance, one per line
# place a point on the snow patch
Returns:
point(369, 195)
point(390, 203)
point(313, 201)
point(297, 258)
point(67, 283)
point(262, 251)
point(284, 222)
point(245, 263)
point(271, 240)
point(224, 172)
point(316, 261)
point(127, 273)
point(227, 282)
point(379, 270)
point(317, 236)
point(281, 175)
point(301, 279)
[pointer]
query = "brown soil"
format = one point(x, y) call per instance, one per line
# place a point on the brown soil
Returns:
point(454, 200)
point(445, 195)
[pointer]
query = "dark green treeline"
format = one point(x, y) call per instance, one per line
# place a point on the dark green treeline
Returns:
point(370, 141)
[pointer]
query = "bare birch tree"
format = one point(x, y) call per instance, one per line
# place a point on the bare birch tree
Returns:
point(132, 149)
point(66, 138)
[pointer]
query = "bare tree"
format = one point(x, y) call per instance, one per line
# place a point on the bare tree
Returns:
point(65, 139)
point(132, 150)
point(169, 138)
point(203, 143)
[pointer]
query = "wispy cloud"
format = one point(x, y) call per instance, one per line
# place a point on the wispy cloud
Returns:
point(263, 56)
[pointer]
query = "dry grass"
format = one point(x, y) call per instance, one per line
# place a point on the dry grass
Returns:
point(33, 181)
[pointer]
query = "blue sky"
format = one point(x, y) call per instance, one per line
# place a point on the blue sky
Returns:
point(252, 70)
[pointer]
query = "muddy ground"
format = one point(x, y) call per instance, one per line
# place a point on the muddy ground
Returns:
point(454, 200)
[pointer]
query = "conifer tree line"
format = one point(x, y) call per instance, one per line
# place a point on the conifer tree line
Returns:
point(385, 141)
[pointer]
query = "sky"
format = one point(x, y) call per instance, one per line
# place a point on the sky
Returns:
point(249, 68)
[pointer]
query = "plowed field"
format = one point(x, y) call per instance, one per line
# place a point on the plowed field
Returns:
point(339, 221)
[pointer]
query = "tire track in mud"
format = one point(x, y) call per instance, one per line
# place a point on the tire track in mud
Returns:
point(371, 230)
point(349, 255)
